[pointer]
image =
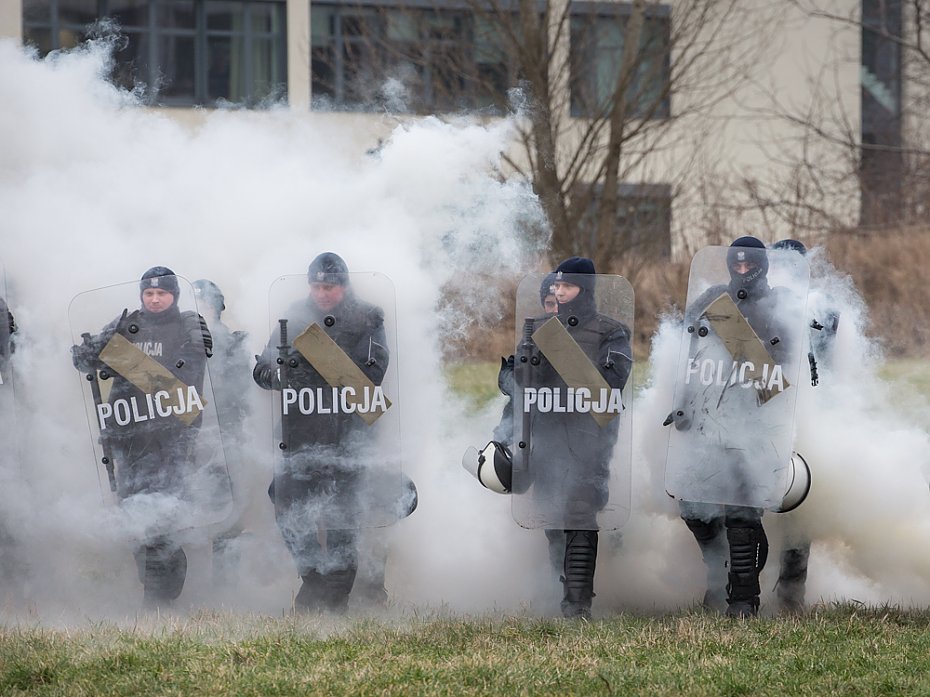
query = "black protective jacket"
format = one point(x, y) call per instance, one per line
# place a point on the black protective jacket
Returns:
point(357, 327)
point(152, 454)
point(570, 453)
point(174, 339)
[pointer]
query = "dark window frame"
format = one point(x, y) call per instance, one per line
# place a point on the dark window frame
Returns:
point(649, 232)
point(332, 64)
point(658, 16)
point(152, 34)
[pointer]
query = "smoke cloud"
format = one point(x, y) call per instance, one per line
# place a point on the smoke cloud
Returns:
point(95, 189)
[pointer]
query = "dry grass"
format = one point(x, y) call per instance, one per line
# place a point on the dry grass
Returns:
point(889, 269)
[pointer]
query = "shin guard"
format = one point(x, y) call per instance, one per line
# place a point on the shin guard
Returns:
point(580, 561)
point(748, 551)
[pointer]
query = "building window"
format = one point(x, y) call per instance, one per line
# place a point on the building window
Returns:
point(446, 58)
point(642, 220)
point(881, 165)
point(179, 52)
point(598, 35)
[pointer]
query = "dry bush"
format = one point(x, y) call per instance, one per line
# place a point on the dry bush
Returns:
point(488, 333)
point(889, 270)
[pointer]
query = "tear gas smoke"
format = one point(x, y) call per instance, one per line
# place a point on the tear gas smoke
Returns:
point(94, 190)
point(868, 507)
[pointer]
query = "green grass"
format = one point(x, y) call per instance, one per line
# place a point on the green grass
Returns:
point(912, 372)
point(839, 650)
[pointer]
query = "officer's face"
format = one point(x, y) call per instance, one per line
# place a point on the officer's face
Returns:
point(566, 292)
point(550, 305)
point(327, 295)
point(744, 267)
point(156, 300)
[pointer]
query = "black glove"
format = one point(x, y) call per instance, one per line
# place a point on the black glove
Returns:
point(85, 358)
point(266, 375)
point(300, 373)
point(505, 376)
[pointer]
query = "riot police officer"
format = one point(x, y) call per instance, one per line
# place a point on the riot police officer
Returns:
point(731, 537)
point(316, 486)
point(570, 452)
point(152, 440)
point(229, 370)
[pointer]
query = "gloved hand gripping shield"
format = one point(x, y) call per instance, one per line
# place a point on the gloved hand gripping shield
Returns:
point(335, 408)
point(150, 408)
point(572, 446)
point(731, 428)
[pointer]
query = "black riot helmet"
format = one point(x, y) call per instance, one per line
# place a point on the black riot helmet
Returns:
point(791, 245)
point(210, 293)
point(160, 277)
point(329, 268)
point(578, 271)
point(546, 289)
point(748, 264)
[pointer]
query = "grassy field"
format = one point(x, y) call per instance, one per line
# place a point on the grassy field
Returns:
point(836, 650)
point(843, 650)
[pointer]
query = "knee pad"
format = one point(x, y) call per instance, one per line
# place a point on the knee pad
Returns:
point(704, 532)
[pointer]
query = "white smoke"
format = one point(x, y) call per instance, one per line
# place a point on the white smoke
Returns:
point(95, 189)
point(866, 442)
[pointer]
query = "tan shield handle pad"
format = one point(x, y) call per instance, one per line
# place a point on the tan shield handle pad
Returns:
point(741, 340)
point(146, 374)
point(571, 362)
point(334, 364)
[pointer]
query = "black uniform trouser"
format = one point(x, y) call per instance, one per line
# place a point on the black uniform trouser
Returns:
point(154, 463)
point(326, 558)
point(746, 543)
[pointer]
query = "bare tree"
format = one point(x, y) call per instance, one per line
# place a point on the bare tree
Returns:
point(859, 164)
point(604, 92)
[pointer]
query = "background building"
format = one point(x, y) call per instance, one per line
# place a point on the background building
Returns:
point(666, 133)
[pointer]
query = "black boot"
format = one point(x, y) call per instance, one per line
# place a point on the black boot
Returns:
point(309, 597)
point(337, 585)
point(748, 552)
point(580, 561)
point(792, 577)
point(163, 570)
point(711, 541)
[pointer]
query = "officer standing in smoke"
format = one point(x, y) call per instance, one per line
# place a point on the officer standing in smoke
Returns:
point(229, 369)
point(493, 464)
point(726, 422)
point(154, 362)
point(562, 462)
point(796, 549)
point(331, 349)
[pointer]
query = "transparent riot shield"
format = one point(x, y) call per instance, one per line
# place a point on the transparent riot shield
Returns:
point(150, 408)
point(731, 426)
point(335, 406)
point(572, 447)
